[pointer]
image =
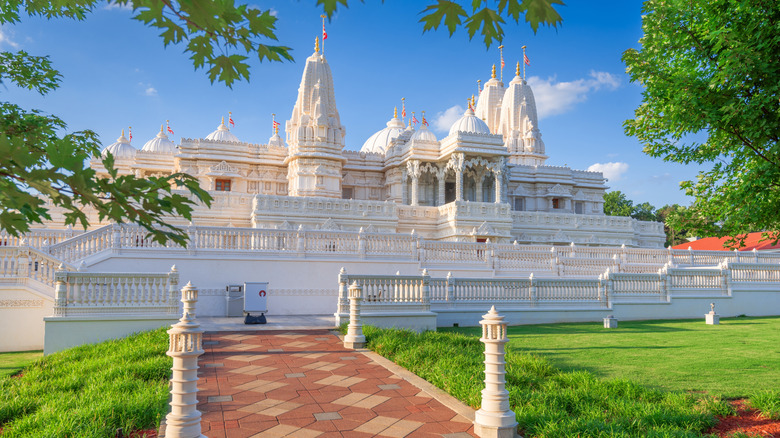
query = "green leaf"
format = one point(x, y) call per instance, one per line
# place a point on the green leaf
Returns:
point(447, 11)
point(489, 23)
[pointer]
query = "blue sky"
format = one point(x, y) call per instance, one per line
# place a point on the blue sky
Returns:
point(118, 74)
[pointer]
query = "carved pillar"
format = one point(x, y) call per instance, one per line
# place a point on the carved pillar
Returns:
point(457, 164)
point(441, 175)
point(478, 180)
point(404, 196)
point(499, 185)
point(413, 168)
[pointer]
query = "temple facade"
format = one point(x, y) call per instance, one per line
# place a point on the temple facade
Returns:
point(486, 179)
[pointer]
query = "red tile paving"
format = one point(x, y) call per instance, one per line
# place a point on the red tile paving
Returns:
point(306, 384)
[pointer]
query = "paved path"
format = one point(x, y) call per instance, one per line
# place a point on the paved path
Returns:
point(306, 384)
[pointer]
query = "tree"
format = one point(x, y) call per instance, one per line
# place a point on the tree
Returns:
point(711, 78)
point(40, 161)
point(617, 204)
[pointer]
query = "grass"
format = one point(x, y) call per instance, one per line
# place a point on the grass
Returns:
point(13, 362)
point(734, 359)
point(549, 402)
point(90, 391)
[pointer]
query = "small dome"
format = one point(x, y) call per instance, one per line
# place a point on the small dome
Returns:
point(222, 133)
point(379, 142)
point(275, 140)
point(121, 149)
point(470, 123)
point(424, 134)
point(160, 144)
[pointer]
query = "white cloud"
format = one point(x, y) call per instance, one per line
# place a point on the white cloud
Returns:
point(445, 119)
point(5, 38)
point(150, 91)
point(273, 12)
point(559, 97)
point(612, 170)
point(114, 5)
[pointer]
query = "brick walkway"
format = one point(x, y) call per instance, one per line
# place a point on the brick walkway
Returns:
point(306, 384)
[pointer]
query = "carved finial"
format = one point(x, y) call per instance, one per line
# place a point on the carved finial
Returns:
point(173, 268)
point(449, 275)
point(343, 270)
point(61, 267)
point(517, 70)
point(493, 74)
point(316, 44)
point(395, 112)
point(425, 272)
point(161, 130)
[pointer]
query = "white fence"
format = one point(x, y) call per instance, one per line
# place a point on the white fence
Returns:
point(451, 293)
point(24, 262)
point(93, 294)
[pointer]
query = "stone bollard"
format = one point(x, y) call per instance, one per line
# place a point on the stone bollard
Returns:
point(610, 322)
point(712, 318)
point(186, 344)
point(355, 338)
point(494, 419)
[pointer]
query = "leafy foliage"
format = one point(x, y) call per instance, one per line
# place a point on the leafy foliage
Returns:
point(712, 87)
point(41, 167)
point(488, 19)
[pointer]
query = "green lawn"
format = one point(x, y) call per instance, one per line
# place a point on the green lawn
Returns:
point(12, 363)
point(90, 391)
point(734, 359)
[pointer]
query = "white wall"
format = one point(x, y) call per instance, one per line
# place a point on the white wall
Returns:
point(22, 310)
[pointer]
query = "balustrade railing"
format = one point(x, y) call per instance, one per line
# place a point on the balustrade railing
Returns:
point(455, 252)
point(37, 238)
point(84, 245)
point(755, 272)
point(637, 285)
point(693, 279)
point(89, 293)
point(31, 263)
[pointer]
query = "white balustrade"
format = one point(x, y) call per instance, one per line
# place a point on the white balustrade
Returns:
point(29, 263)
point(84, 245)
point(37, 238)
point(695, 279)
point(84, 293)
point(642, 285)
point(755, 272)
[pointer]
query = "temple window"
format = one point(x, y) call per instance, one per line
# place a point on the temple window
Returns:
point(556, 203)
point(222, 185)
point(519, 204)
point(347, 193)
point(578, 207)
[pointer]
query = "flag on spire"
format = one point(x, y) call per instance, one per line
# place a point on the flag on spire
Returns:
point(525, 59)
point(130, 132)
point(414, 119)
point(275, 124)
point(324, 34)
point(424, 122)
point(230, 119)
point(403, 107)
point(168, 127)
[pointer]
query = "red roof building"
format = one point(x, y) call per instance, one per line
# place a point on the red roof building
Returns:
point(753, 241)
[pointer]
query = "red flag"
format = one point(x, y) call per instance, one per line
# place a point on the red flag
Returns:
point(324, 34)
point(130, 131)
point(414, 119)
point(425, 122)
point(276, 124)
point(526, 60)
point(502, 61)
point(230, 120)
point(170, 131)
point(403, 108)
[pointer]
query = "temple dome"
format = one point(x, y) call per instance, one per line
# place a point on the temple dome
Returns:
point(276, 140)
point(469, 123)
point(160, 144)
point(518, 108)
point(381, 139)
point(423, 134)
point(121, 148)
point(222, 134)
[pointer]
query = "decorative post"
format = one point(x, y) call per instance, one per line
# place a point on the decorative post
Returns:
point(186, 344)
point(355, 338)
point(361, 243)
point(192, 242)
point(116, 236)
point(725, 277)
point(712, 318)
point(610, 322)
point(343, 305)
point(60, 290)
point(173, 289)
point(450, 287)
point(690, 256)
point(494, 418)
point(426, 291)
point(572, 250)
point(300, 246)
point(553, 261)
point(532, 290)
